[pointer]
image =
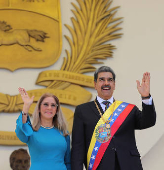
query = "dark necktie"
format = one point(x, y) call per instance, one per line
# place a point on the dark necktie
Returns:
point(106, 103)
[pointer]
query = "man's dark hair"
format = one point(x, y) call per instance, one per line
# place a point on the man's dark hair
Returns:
point(103, 69)
point(20, 159)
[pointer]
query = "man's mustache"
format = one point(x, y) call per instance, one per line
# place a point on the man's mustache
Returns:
point(107, 86)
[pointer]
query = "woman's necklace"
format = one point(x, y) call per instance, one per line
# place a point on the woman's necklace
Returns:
point(47, 127)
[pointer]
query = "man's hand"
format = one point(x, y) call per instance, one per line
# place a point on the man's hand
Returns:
point(144, 87)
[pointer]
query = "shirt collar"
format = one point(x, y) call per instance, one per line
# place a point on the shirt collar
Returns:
point(100, 100)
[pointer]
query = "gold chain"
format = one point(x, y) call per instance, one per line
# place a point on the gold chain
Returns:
point(105, 121)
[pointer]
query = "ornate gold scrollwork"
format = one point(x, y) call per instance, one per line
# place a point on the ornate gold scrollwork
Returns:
point(94, 26)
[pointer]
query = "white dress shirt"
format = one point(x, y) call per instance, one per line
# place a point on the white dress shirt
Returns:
point(100, 100)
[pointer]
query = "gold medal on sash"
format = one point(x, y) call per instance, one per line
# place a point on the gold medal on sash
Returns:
point(103, 132)
point(107, 126)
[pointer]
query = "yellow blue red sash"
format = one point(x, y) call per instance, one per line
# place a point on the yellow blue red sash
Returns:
point(96, 149)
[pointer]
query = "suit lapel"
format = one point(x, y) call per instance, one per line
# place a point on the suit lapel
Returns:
point(94, 108)
point(99, 106)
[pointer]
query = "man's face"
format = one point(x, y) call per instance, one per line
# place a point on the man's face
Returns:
point(105, 85)
point(21, 162)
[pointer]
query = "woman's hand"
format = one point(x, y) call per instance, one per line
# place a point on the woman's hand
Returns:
point(27, 102)
point(25, 97)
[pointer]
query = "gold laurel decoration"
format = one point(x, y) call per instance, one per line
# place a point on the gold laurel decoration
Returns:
point(94, 26)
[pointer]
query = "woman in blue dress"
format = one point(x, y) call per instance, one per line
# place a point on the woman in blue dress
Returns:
point(47, 137)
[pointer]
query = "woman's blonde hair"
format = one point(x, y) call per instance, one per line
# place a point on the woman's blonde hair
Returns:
point(58, 120)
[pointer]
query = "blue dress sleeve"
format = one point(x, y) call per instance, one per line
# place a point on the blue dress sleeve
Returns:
point(67, 158)
point(23, 130)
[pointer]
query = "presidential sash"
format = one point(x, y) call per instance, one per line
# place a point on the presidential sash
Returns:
point(102, 136)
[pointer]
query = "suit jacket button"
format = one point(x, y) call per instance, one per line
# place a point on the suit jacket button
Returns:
point(114, 149)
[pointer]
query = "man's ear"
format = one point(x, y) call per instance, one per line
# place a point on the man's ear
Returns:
point(114, 85)
point(95, 84)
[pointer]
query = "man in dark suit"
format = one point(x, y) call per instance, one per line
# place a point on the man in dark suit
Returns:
point(104, 138)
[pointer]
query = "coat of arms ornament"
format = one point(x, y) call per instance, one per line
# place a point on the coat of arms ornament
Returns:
point(94, 26)
point(30, 30)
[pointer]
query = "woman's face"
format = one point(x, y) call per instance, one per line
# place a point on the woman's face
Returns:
point(48, 108)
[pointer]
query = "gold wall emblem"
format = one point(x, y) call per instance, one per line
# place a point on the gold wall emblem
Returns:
point(94, 26)
point(30, 33)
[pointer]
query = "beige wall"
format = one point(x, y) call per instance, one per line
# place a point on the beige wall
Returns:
point(140, 49)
